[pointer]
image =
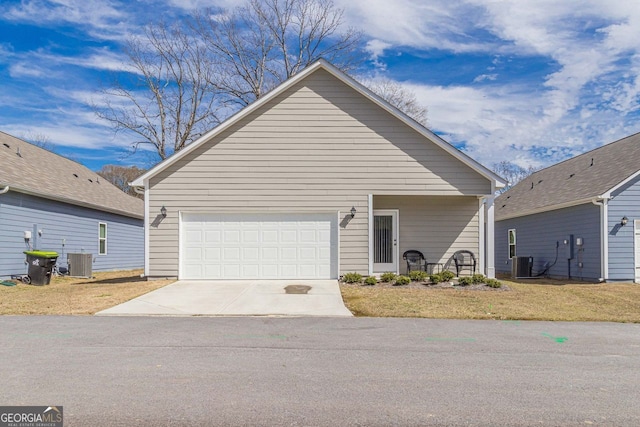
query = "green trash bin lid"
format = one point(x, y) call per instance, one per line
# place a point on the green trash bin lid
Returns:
point(42, 254)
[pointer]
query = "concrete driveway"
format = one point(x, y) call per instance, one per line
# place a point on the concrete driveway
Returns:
point(238, 298)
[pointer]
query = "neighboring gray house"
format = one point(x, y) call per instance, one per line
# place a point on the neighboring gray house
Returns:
point(318, 178)
point(52, 203)
point(587, 206)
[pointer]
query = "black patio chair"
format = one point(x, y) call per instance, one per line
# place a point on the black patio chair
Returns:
point(415, 260)
point(464, 259)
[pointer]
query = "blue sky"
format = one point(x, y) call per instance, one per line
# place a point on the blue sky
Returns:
point(530, 81)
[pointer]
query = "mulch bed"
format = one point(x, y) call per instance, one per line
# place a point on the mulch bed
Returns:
point(428, 285)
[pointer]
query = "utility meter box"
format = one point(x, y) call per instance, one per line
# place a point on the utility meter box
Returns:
point(567, 244)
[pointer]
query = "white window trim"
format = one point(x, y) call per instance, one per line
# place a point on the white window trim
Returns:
point(515, 241)
point(106, 235)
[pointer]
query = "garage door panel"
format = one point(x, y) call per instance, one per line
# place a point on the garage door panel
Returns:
point(310, 253)
point(250, 270)
point(308, 236)
point(288, 236)
point(231, 236)
point(268, 246)
point(251, 236)
point(269, 236)
point(212, 236)
point(289, 254)
point(193, 236)
point(212, 255)
point(213, 271)
point(231, 255)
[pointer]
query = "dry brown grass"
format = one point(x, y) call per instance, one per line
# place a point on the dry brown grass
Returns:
point(72, 295)
point(610, 302)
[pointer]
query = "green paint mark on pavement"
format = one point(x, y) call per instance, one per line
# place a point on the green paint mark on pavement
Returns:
point(556, 339)
point(515, 322)
point(450, 339)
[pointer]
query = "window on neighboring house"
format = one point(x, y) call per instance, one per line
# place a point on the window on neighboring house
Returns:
point(512, 243)
point(102, 238)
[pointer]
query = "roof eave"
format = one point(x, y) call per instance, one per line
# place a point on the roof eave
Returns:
point(496, 180)
point(73, 202)
point(551, 208)
point(622, 183)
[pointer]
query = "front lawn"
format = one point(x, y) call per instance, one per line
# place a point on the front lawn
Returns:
point(536, 300)
point(73, 295)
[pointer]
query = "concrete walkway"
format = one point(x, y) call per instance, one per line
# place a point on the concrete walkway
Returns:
point(238, 298)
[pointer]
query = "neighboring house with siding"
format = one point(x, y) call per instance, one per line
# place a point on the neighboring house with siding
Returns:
point(587, 206)
point(318, 178)
point(66, 208)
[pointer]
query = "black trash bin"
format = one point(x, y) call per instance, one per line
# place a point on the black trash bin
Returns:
point(41, 265)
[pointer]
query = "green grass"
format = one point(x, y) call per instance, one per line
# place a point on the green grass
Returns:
point(610, 302)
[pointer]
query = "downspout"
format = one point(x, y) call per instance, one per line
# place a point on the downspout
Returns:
point(4, 190)
point(604, 236)
point(142, 190)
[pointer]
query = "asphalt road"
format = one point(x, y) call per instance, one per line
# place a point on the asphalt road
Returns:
point(113, 371)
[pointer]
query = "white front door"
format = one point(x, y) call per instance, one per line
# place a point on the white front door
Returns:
point(385, 241)
point(636, 235)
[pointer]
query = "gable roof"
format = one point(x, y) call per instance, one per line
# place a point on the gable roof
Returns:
point(324, 65)
point(581, 179)
point(27, 168)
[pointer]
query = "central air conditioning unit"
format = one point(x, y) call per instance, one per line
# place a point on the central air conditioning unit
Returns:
point(521, 266)
point(80, 265)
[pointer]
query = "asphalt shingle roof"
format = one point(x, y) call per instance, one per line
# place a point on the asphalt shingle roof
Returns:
point(588, 175)
point(29, 168)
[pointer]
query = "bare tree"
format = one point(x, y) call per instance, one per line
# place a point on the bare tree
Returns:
point(121, 176)
point(399, 97)
point(512, 173)
point(191, 76)
point(265, 42)
point(170, 101)
point(40, 140)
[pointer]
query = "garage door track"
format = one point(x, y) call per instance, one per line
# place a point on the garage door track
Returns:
point(238, 298)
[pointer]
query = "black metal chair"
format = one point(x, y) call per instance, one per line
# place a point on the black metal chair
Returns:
point(415, 260)
point(464, 259)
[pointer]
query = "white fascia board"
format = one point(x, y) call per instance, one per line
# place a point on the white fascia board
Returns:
point(496, 180)
point(551, 208)
point(607, 195)
point(227, 124)
point(321, 63)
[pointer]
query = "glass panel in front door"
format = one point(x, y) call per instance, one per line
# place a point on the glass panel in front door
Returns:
point(383, 239)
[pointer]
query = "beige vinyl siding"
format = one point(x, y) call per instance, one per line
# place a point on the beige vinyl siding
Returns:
point(318, 147)
point(436, 226)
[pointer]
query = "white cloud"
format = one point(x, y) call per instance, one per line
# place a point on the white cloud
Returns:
point(589, 98)
point(103, 18)
point(483, 77)
point(438, 24)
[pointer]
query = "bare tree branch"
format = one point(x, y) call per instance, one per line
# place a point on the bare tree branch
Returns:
point(512, 173)
point(192, 75)
point(121, 176)
point(171, 100)
point(399, 97)
point(265, 42)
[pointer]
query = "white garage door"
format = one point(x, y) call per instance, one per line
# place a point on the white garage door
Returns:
point(259, 246)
